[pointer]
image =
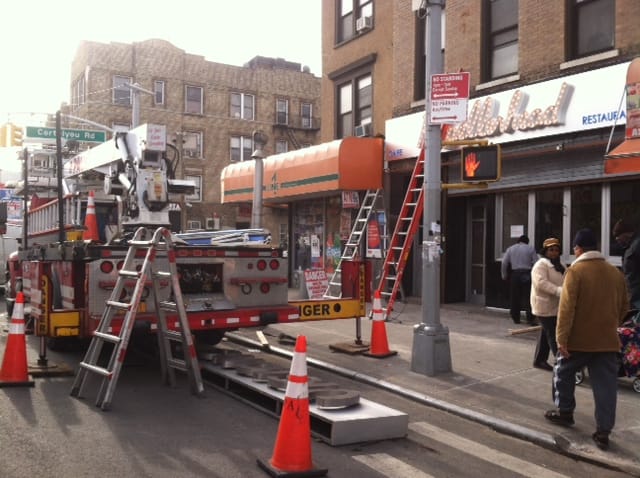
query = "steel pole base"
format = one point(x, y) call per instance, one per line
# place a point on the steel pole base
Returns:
point(431, 353)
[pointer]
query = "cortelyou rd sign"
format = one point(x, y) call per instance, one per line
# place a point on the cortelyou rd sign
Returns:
point(49, 134)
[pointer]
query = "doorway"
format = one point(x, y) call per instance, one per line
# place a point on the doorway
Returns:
point(476, 251)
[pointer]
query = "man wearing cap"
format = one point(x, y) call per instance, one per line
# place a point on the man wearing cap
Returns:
point(520, 257)
point(593, 303)
point(629, 240)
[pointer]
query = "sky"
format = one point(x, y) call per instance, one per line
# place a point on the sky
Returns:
point(39, 39)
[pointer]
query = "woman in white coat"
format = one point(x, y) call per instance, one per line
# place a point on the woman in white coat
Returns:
point(547, 275)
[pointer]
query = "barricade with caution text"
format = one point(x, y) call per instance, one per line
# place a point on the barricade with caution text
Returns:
point(327, 309)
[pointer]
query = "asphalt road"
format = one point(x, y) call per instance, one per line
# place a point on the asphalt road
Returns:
point(156, 431)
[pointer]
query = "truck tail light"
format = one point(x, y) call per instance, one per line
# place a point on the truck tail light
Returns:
point(106, 267)
point(265, 287)
point(262, 265)
point(274, 264)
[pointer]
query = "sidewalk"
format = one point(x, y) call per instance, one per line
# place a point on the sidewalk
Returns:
point(492, 379)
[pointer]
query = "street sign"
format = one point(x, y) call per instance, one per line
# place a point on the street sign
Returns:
point(449, 97)
point(49, 134)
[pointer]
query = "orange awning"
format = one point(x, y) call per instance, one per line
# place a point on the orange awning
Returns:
point(348, 164)
point(625, 158)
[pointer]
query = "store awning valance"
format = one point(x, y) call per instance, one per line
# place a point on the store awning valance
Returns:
point(624, 158)
point(348, 164)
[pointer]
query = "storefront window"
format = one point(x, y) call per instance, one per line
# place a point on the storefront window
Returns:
point(586, 209)
point(514, 217)
point(549, 213)
point(625, 197)
point(321, 227)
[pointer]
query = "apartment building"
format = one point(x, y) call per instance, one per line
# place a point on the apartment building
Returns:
point(211, 111)
point(547, 83)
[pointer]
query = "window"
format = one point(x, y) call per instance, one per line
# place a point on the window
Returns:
point(197, 194)
point(350, 12)
point(625, 197)
point(306, 113)
point(515, 217)
point(549, 213)
point(501, 51)
point(241, 148)
point(79, 92)
point(192, 144)
point(282, 111)
point(586, 209)
point(242, 106)
point(282, 146)
point(158, 92)
point(193, 100)
point(121, 90)
point(592, 27)
point(354, 109)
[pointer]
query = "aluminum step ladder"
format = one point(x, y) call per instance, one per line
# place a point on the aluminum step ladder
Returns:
point(401, 241)
point(138, 247)
point(352, 246)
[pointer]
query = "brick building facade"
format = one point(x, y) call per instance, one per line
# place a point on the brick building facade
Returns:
point(569, 57)
point(210, 110)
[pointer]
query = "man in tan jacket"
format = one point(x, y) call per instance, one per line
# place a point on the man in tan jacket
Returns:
point(593, 304)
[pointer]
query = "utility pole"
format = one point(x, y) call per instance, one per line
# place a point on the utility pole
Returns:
point(259, 140)
point(431, 353)
point(136, 89)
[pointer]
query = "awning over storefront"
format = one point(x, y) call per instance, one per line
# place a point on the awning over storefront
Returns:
point(348, 164)
point(625, 158)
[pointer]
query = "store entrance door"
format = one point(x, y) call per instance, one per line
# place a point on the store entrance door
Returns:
point(476, 250)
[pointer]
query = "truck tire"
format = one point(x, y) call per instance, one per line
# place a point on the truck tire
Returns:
point(209, 337)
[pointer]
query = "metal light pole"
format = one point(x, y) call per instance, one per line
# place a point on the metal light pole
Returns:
point(259, 140)
point(431, 353)
point(136, 89)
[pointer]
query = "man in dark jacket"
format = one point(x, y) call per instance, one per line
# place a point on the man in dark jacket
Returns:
point(520, 257)
point(629, 240)
point(593, 303)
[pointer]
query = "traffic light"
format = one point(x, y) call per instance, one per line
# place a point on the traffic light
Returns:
point(16, 134)
point(481, 163)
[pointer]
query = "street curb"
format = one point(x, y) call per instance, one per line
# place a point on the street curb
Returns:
point(554, 442)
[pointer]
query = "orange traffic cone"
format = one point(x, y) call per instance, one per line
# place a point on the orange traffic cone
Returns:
point(292, 451)
point(14, 372)
point(379, 345)
point(90, 222)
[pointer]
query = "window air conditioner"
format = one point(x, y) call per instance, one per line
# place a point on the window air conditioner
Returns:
point(363, 130)
point(363, 23)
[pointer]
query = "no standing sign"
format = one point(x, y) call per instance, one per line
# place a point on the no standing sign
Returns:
point(449, 97)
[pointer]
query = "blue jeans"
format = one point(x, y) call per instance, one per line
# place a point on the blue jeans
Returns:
point(603, 374)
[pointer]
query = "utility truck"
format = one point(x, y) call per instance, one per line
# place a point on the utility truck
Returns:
point(67, 279)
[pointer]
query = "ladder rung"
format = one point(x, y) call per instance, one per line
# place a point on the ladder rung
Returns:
point(124, 273)
point(177, 364)
point(385, 293)
point(173, 335)
point(335, 283)
point(95, 369)
point(114, 339)
point(140, 243)
point(119, 305)
point(163, 274)
point(170, 306)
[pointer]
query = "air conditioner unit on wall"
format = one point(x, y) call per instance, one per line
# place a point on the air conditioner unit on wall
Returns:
point(363, 23)
point(363, 130)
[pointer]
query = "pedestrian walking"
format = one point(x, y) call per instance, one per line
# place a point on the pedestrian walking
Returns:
point(516, 268)
point(547, 276)
point(629, 239)
point(593, 303)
